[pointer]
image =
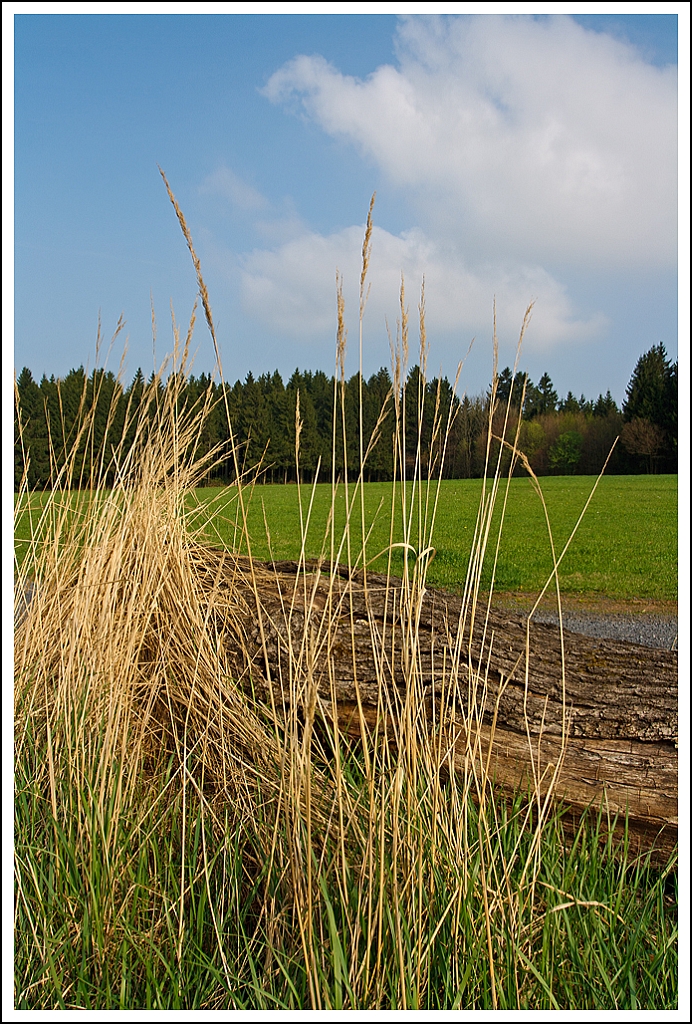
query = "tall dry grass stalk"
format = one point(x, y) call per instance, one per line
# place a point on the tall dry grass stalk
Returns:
point(135, 687)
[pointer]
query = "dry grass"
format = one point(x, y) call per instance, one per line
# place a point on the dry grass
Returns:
point(212, 842)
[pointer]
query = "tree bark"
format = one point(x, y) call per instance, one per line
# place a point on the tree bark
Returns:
point(605, 713)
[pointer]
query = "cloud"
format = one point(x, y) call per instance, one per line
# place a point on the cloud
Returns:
point(273, 223)
point(291, 289)
point(533, 140)
point(223, 182)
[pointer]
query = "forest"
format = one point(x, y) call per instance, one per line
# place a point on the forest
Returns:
point(558, 436)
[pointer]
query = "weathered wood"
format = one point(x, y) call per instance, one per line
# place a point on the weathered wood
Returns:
point(616, 704)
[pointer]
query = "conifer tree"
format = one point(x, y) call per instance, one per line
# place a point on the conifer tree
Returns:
point(652, 393)
point(548, 399)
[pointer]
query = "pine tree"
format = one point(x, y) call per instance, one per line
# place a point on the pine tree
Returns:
point(604, 406)
point(548, 396)
point(378, 388)
point(569, 404)
point(32, 446)
point(510, 389)
point(652, 393)
point(505, 389)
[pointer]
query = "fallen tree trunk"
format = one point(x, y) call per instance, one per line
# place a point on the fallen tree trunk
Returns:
point(608, 719)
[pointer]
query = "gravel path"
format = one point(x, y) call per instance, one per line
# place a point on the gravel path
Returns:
point(648, 630)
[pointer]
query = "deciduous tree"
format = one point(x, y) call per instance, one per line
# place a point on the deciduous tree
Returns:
point(566, 452)
point(645, 439)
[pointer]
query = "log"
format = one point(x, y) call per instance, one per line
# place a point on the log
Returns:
point(609, 720)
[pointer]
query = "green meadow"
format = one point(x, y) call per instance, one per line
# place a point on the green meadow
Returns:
point(625, 546)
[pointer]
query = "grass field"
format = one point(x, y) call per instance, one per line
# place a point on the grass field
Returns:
point(626, 545)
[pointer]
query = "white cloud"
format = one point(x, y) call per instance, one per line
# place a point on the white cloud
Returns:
point(530, 140)
point(225, 183)
point(274, 224)
point(292, 290)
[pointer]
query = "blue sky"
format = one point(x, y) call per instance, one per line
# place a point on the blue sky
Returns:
point(526, 158)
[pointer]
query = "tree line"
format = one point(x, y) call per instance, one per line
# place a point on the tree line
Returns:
point(558, 436)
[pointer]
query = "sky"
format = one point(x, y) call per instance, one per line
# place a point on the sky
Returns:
point(515, 159)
